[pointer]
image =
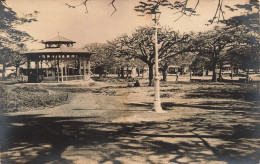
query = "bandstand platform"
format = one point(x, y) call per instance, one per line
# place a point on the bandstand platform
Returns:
point(58, 61)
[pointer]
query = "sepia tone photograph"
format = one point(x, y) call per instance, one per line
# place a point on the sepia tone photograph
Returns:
point(129, 82)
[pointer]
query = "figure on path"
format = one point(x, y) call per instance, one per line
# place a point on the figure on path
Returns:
point(137, 84)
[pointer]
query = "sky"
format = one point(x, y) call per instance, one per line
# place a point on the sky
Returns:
point(98, 25)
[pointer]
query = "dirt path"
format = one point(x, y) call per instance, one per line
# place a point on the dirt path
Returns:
point(114, 124)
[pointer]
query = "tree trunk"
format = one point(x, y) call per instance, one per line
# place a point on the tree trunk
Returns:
point(231, 74)
point(207, 71)
point(164, 75)
point(247, 75)
point(164, 71)
point(138, 71)
point(4, 70)
point(220, 73)
point(214, 75)
point(122, 72)
point(17, 70)
point(118, 71)
point(142, 72)
point(127, 70)
point(150, 74)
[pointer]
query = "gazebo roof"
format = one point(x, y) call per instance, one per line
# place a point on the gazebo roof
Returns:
point(62, 50)
point(59, 39)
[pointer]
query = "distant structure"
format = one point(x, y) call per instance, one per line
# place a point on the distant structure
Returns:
point(58, 61)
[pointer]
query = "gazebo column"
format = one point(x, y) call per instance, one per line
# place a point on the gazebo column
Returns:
point(75, 65)
point(58, 69)
point(84, 70)
point(28, 67)
point(88, 60)
point(52, 65)
point(61, 70)
point(65, 67)
point(37, 68)
point(47, 63)
point(79, 65)
point(41, 59)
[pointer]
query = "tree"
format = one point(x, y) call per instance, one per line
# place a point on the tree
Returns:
point(246, 44)
point(212, 43)
point(246, 51)
point(103, 59)
point(181, 7)
point(140, 45)
point(11, 39)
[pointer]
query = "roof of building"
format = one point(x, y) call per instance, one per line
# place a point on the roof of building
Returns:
point(64, 50)
point(59, 39)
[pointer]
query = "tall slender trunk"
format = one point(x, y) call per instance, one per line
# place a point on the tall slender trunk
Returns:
point(164, 75)
point(16, 70)
point(150, 74)
point(164, 72)
point(127, 72)
point(118, 71)
point(214, 75)
point(231, 69)
point(142, 72)
point(122, 72)
point(4, 70)
point(138, 71)
point(247, 75)
point(220, 72)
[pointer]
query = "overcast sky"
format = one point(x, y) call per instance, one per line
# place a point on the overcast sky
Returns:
point(98, 25)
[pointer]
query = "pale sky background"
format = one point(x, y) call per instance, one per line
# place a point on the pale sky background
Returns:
point(98, 25)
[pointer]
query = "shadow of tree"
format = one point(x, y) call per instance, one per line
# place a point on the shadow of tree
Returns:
point(202, 137)
point(248, 93)
point(229, 129)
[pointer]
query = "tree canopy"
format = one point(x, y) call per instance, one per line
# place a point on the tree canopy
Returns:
point(11, 39)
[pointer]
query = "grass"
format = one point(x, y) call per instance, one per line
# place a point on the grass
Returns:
point(28, 97)
point(24, 97)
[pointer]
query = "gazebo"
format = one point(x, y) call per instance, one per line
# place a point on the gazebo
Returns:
point(58, 61)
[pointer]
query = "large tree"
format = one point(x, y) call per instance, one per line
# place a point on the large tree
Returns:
point(103, 60)
point(140, 45)
point(246, 44)
point(212, 43)
point(12, 39)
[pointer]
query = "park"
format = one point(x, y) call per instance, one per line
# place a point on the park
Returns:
point(146, 92)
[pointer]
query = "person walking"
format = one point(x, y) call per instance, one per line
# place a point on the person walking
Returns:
point(177, 76)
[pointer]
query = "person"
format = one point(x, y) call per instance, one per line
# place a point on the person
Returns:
point(177, 76)
point(137, 84)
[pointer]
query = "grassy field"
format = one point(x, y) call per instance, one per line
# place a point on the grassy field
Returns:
point(108, 121)
point(24, 97)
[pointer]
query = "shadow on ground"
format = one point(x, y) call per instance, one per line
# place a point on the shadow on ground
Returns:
point(37, 139)
point(242, 91)
point(216, 130)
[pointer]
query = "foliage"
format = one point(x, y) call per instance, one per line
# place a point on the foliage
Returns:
point(212, 44)
point(140, 45)
point(11, 39)
point(102, 57)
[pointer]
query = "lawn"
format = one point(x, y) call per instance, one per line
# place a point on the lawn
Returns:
point(107, 121)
